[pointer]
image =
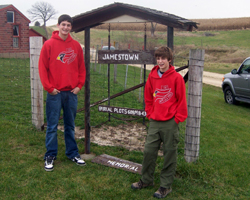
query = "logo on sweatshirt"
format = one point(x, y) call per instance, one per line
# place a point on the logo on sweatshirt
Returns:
point(163, 94)
point(67, 56)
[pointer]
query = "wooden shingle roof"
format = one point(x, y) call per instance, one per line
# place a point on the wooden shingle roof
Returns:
point(100, 15)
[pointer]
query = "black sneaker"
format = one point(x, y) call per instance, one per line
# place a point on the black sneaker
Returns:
point(78, 161)
point(48, 165)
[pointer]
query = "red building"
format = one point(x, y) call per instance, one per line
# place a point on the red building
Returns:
point(14, 32)
point(33, 33)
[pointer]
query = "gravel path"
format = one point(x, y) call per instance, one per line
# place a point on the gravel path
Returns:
point(209, 78)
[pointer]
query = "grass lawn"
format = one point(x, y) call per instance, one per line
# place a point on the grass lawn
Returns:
point(222, 171)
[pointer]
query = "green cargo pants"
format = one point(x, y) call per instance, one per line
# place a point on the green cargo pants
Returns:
point(168, 133)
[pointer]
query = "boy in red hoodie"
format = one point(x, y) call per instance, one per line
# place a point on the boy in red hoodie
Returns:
point(62, 73)
point(166, 106)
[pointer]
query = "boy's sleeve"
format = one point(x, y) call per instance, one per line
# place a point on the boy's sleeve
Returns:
point(181, 110)
point(148, 97)
point(43, 69)
point(81, 69)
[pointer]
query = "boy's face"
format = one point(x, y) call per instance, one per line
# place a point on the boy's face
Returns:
point(64, 28)
point(163, 63)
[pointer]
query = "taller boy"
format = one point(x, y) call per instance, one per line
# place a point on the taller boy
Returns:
point(166, 106)
point(62, 73)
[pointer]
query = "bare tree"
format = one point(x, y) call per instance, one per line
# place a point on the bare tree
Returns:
point(42, 11)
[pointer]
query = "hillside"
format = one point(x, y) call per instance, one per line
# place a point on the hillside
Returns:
point(204, 25)
point(225, 40)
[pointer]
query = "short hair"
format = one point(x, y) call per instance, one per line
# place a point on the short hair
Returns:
point(164, 52)
point(65, 18)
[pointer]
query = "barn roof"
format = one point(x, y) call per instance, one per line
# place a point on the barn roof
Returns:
point(104, 14)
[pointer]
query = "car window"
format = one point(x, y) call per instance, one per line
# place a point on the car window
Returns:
point(245, 68)
point(106, 48)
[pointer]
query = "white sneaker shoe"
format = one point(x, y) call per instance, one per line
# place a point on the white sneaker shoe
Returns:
point(78, 161)
point(48, 164)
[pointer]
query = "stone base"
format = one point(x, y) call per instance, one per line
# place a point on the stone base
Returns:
point(87, 156)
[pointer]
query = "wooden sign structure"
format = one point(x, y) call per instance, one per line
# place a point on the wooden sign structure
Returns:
point(123, 57)
point(126, 57)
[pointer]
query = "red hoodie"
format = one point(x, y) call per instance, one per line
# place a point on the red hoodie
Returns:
point(61, 64)
point(165, 97)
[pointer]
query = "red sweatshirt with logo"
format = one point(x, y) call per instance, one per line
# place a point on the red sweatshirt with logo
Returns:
point(61, 64)
point(165, 97)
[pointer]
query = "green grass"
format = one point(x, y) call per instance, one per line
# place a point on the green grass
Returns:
point(39, 29)
point(222, 171)
point(230, 38)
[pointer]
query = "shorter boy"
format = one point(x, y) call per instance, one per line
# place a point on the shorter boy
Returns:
point(166, 106)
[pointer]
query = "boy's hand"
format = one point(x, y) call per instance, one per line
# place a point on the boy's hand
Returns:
point(75, 90)
point(55, 92)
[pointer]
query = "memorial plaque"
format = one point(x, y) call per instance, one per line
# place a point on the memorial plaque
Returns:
point(118, 163)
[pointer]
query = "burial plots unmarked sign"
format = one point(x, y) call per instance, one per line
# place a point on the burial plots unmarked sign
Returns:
point(124, 111)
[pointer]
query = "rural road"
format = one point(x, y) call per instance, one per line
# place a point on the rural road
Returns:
point(209, 78)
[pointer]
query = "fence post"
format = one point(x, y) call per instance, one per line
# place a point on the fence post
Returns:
point(115, 65)
point(126, 77)
point(192, 136)
point(140, 93)
point(36, 44)
point(87, 90)
point(96, 52)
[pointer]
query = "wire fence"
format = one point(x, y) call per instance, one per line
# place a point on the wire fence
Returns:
point(106, 129)
point(121, 129)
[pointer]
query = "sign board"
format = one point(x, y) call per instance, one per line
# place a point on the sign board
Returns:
point(126, 57)
point(114, 162)
point(124, 111)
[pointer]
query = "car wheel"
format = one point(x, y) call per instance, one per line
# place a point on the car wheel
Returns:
point(229, 96)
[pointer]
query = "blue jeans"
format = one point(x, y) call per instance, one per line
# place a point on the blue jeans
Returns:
point(67, 101)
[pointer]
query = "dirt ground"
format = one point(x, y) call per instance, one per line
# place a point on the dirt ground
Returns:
point(130, 135)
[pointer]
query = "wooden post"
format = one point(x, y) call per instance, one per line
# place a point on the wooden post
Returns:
point(115, 65)
point(192, 137)
point(87, 91)
point(36, 44)
point(170, 42)
point(170, 36)
point(140, 92)
point(96, 52)
point(126, 77)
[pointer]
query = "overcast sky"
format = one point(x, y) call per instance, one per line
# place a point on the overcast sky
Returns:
point(189, 9)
